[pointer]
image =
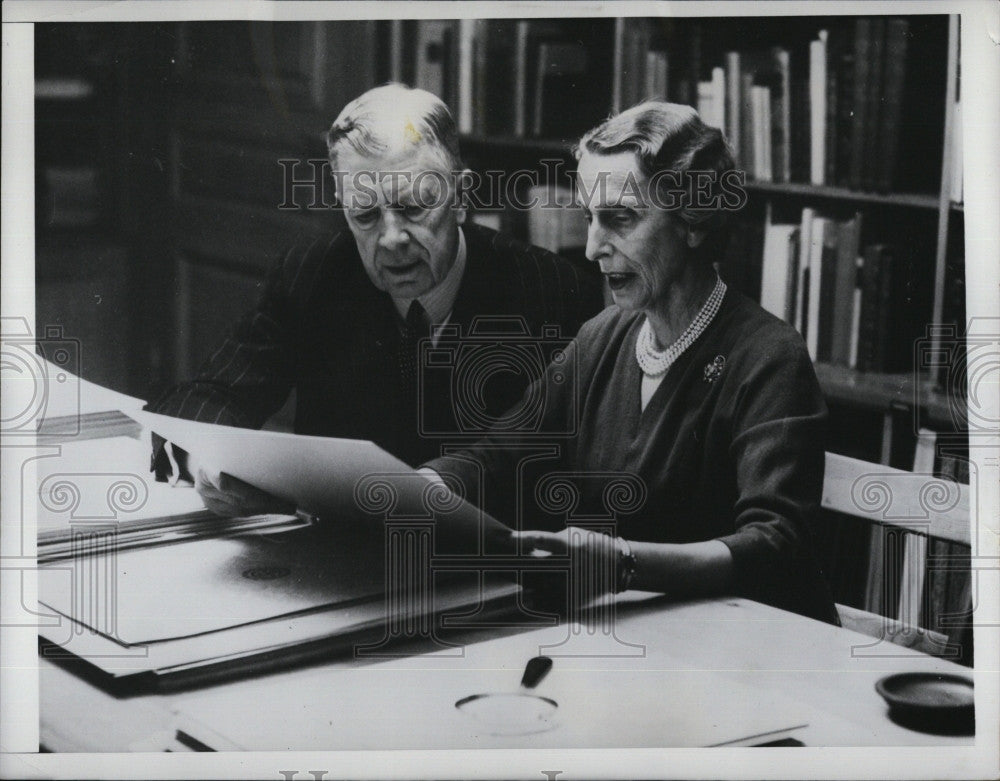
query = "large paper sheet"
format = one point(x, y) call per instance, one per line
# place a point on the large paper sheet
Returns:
point(333, 478)
point(171, 591)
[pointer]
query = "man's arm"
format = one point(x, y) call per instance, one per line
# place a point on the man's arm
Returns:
point(249, 375)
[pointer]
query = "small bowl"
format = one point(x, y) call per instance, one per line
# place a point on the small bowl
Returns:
point(510, 713)
point(930, 702)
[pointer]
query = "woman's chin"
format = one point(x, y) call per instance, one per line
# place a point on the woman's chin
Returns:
point(627, 300)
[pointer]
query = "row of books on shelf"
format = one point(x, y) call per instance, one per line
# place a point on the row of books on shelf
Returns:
point(830, 115)
point(852, 301)
point(829, 111)
point(526, 78)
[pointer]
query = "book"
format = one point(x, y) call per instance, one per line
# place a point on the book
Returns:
point(894, 72)
point(802, 287)
point(799, 112)
point(718, 117)
point(843, 63)
point(555, 223)
point(833, 45)
point(781, 133)
point(817, 108)
point(852, 357)
point(827, 290)
point(733, 101)
point(500, 101)
point(521, 75)
point(843, 293)
point(817, 241)
point(746, 131)
point(762, 133)
point(657, 76)
point(778, 269)
point(433, 69)
point(560, 84)
point(874, 96)
point(859, 102)
point(467, 35)
point(634, 74)
point(706, 100)
point(875, 299)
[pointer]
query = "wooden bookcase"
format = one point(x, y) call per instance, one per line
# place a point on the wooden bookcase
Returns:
point(925, 215)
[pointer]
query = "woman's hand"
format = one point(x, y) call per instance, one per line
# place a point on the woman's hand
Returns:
point(594, 555)
point(230, 497)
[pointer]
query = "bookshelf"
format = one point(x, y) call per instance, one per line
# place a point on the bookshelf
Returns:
point(913, 212)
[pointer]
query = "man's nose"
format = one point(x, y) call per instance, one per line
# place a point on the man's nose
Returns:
point(597, 247)
point(393, 233)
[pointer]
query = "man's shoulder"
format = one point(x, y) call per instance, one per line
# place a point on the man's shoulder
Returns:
point(323, 257)
point(560, 289)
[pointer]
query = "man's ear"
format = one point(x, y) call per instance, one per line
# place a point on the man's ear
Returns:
point(695, 236)
point(462, 201)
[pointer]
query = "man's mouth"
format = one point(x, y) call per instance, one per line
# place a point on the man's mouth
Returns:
point(402, 269)
point(618, 280)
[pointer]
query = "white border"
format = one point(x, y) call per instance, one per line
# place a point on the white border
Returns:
point(981, 96)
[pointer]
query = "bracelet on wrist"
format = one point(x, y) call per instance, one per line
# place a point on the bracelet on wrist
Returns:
point(626, 565)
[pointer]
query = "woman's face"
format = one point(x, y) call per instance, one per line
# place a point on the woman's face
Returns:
point(642, 250)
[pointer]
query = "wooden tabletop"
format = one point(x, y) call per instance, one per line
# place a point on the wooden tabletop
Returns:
point(663, 675)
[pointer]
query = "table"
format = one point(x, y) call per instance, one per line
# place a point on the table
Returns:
point(664, 674)
point(706, 649)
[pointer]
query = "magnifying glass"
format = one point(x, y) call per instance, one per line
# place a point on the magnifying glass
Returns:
point(520, 712)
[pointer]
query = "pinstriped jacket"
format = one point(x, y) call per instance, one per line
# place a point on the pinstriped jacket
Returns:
point(322, 329)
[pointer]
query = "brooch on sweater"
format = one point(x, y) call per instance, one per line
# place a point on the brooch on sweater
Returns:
point(714, 368)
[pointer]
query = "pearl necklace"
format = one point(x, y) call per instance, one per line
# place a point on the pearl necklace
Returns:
point(655, 363)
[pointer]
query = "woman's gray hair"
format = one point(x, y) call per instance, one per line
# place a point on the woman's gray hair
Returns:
point(668, 137)
point(391, 116)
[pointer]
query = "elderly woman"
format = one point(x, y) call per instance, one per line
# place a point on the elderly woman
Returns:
point(690, 386)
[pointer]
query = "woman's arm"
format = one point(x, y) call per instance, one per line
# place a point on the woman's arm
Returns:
point(682, 570)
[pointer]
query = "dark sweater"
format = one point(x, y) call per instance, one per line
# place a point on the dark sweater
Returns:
point(734, 454)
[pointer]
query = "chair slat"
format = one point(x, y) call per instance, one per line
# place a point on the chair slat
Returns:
point(921, 503)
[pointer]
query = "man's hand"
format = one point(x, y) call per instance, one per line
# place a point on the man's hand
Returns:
point(230, 497)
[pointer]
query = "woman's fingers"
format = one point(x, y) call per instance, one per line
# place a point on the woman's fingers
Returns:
point(553, 542)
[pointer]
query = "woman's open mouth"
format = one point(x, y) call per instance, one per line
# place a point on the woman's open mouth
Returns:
point(618, 280)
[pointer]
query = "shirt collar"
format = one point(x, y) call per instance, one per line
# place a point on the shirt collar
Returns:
point(440, 299)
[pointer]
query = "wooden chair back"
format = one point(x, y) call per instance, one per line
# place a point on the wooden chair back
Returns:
point(923, 506)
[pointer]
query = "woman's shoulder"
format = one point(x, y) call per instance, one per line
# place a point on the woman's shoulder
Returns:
point(761, 332)
point(763, 348)
point(609, 320)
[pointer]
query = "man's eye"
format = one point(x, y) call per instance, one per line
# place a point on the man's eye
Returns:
point(622, 218)
point(367, 217)
point(413, 212)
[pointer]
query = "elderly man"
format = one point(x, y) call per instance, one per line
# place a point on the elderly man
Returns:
point(340, 317)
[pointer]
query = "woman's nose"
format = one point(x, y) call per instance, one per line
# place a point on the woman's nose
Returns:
point(596, 245)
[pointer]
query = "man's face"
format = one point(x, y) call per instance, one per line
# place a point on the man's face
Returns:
point(399, 206)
